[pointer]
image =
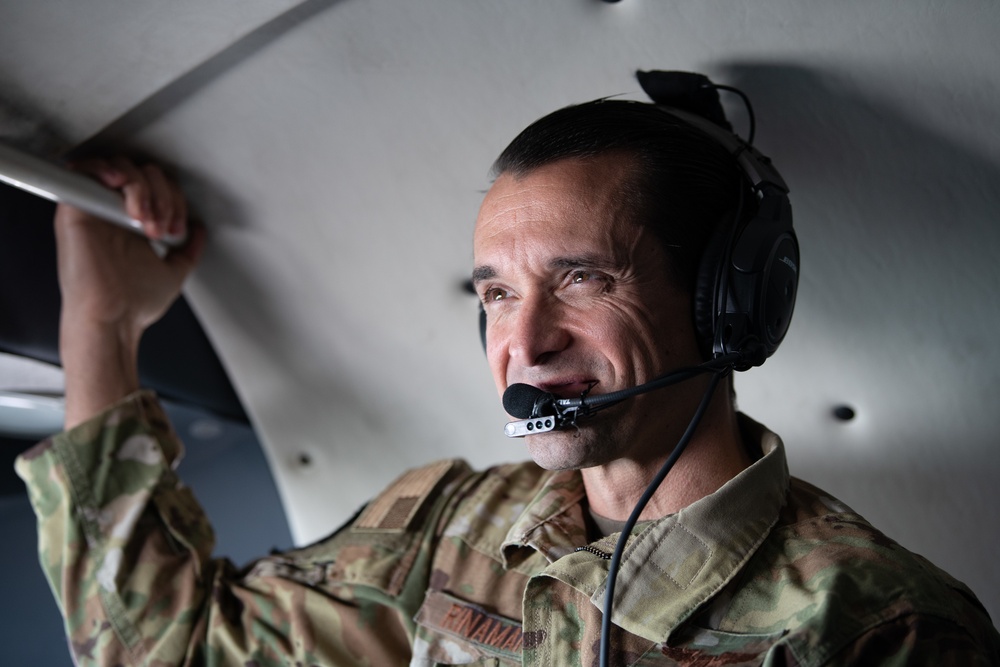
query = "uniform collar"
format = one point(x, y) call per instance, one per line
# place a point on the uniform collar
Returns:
point(674, 564)
point(552, 524)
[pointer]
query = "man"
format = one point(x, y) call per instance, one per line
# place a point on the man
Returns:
point(587, 250)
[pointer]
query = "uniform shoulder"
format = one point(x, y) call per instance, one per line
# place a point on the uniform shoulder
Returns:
point(378, 547)
point(827, 577)
point(489, 508)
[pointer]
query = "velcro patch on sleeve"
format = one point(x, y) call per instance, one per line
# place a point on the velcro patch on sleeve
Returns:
point(396, 507)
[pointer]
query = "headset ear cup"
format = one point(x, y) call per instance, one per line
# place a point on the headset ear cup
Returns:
point(779, 285)
point(763, 281)
point(705, 296)
point(482, 326)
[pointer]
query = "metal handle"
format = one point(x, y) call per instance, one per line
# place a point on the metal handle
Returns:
point(57, 183)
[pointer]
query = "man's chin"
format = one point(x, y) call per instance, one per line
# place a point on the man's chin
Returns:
point(562, 450)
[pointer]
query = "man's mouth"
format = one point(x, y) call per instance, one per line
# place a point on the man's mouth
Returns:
point(568, 388)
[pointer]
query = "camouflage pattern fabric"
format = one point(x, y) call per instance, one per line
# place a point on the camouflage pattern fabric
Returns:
point(449, 567)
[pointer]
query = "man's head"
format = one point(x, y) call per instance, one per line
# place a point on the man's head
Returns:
point(586, 249)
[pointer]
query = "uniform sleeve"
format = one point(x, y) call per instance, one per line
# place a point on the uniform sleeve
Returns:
point(127, 552)
point(923, 640)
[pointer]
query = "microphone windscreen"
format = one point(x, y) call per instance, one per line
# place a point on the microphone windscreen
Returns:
point(519, 400)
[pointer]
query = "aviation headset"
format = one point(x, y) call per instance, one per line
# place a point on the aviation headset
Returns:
point(748, 274)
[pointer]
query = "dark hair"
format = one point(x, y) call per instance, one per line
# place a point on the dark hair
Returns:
point(683, 181)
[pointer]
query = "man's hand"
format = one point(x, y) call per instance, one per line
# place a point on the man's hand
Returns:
point(113, 284)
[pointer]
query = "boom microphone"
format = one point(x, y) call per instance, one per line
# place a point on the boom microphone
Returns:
point(541, 411)
point(519, 399)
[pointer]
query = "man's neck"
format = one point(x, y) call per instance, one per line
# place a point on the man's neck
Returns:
point(714, 456)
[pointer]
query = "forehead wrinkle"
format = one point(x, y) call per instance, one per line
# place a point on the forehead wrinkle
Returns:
point(527, 203)
point(503, 218)
point(532, 202)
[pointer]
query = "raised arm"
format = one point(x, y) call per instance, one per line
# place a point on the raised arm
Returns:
point(124, 544)
point(113, 284)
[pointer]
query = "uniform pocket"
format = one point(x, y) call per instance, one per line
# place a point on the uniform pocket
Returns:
point(711, 648)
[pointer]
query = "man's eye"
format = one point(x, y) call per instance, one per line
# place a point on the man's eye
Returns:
point(494, 294)
point(582, 276)
point(590, 279)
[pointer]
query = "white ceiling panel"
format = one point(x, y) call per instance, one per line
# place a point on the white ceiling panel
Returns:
point(76, 66)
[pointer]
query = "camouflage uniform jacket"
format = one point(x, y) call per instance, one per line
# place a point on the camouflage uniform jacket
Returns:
point(449, 566)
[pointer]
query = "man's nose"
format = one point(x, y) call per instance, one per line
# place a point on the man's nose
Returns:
point(537, 332)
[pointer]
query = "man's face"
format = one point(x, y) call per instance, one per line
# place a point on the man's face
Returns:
point(577, 295)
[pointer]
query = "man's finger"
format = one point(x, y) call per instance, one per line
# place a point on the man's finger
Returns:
point(179, 226)
point(161, 197)
point(136, 188)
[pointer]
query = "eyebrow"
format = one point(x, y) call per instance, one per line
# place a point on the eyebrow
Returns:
point(486, 272)
point(481, 273)
point(582, 261)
